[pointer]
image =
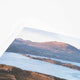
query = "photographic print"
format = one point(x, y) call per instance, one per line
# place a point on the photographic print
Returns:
point(40, 55)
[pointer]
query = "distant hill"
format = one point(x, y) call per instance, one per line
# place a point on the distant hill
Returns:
point(13, 73)
point(42, 36)
point(52, 49)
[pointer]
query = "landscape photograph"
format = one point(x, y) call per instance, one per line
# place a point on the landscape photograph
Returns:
point(41, 55)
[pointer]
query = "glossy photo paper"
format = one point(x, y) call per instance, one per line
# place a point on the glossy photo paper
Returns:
point(40, 55)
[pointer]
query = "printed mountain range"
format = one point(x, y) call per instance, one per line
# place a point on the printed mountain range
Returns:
point(52, 49)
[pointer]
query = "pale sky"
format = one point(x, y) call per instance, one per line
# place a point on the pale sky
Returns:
point(60, 16)
point(37, 35)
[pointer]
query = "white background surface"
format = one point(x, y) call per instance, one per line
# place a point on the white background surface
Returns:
point(60, 16)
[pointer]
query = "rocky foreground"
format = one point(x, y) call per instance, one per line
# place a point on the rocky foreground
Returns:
point(13, 73)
